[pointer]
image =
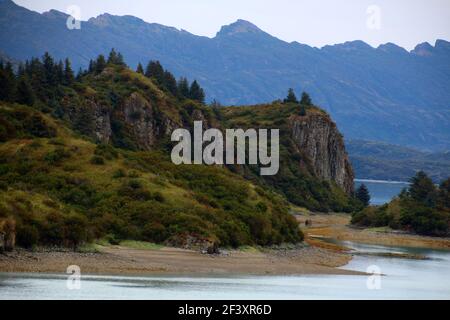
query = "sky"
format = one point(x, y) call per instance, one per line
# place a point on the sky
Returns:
point(313, 22)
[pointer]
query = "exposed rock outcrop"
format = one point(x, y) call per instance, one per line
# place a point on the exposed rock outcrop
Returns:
point(102, 120)
point(318, 137)
point(139, 117)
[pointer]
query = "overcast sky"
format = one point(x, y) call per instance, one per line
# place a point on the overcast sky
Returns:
point(313, 22)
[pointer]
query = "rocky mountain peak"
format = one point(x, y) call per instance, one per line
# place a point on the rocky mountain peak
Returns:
point(239, 27)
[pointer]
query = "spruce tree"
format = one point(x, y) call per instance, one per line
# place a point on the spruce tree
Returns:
point(183, 88)
point(422, 189)
point(92, 66)
point(363, 195)
point(120, 59)
point(59, 72)
point(50, 70)
point(113, 57)
point(306, 99)
point(291, 97)
point(7, 82)
point(196, 92)
point(170, 83)
point(100, 64)
point(140, 69)
point(156, 71)
point(36, 74)
point(25, 94)
point(69, 76)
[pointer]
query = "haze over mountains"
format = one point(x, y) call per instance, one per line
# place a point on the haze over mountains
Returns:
point(382, 94)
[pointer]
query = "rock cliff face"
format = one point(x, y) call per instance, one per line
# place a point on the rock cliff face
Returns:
point(318, 137)
point(137, 114)
point(315, 135)
point(137, 119)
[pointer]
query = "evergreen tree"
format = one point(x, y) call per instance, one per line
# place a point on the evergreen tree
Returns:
point(36, 75)
point(115, 58)
point(59, 71)
point(422, 189)
point(120, 59)
point(156, 71)
point(92, 67)
point(140, 69)
point(306, 99)
point(302, 112)
point(183, 88)
point(444, 194)
point(21, 70)
point(80, 74)
point(25, 94)
point(69, 77)
point(100, 64)
point(363, 195)
point(196, 92)
point(170, 83)
point(7, 82)
point(291, 97)
point(50, 70)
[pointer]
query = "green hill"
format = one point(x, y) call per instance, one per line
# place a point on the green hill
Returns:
point(90, 158)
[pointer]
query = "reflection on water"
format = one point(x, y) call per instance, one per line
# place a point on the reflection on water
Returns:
point(382, 192)
point(404, 279)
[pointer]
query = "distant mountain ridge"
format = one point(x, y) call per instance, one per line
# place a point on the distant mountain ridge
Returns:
point(382, 161)
point(379, 94)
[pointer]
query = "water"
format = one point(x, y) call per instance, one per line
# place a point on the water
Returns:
point(402, 279)
point(382, 192)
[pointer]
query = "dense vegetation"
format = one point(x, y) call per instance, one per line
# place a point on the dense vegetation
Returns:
point(63, 185)
point(295, 180)
point(422, 208)
point(63, 188)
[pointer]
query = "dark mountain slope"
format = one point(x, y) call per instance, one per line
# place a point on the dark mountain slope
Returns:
point(379, 94)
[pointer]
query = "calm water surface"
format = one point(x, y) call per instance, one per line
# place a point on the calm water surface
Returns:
point(382, 192)
point(403, 278)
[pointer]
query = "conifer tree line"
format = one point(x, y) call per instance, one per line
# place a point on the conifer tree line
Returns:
point(42, 79)
point(305, 101)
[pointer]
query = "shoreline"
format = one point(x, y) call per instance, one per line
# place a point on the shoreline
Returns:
point(117, 260)
point(337, 226)
point(315, 257)
point(381, 181)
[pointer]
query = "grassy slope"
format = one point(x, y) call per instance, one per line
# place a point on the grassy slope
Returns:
point(58, 196)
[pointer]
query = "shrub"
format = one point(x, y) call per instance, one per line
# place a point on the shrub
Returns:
point(27, 236)
point(158, 196)
point(56, 156)
point(154, 232)
point(120, 173)
point(97, 160)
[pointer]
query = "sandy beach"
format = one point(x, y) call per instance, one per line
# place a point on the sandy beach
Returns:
point(314, 257)
point(128, 261)
point(337, 226)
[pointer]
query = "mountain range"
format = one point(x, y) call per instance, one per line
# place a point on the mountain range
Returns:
point(384, 94)
point(382, 161)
